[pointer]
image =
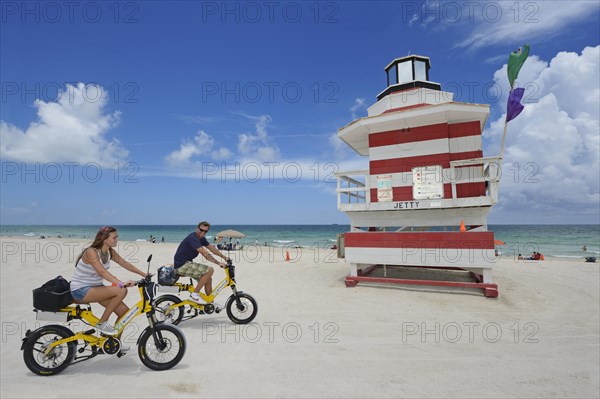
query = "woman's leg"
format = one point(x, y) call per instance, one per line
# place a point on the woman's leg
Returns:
point(119, 311)
point(109, 297)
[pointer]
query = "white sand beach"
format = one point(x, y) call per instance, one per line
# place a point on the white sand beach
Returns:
point(313, 337)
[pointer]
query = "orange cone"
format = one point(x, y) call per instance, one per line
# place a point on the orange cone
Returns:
point(287, 256)
point(462, 226)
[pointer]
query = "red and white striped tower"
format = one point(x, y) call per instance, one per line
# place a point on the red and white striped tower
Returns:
point(426, 175)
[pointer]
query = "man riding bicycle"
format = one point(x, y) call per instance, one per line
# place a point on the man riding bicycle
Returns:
point(192, 245)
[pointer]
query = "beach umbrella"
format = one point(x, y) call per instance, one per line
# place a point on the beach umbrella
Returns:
point(498, 242)
point(231, 234)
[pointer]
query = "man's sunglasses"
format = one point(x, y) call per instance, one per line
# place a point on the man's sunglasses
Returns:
point(202, 230)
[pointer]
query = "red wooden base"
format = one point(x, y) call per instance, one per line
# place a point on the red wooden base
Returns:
point(489, 290)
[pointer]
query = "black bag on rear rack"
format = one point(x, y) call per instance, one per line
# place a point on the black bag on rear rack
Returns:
point(53, 295)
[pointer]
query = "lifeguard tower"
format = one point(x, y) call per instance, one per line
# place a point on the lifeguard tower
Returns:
point(427, 176)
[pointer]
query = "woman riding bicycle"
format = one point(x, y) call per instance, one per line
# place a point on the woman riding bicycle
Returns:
point(90, 271)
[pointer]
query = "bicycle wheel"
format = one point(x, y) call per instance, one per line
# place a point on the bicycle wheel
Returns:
point(59, 357)
point(161, 347)
point(163, 312)
point(241, 310)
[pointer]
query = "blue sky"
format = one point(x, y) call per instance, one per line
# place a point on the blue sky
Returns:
point(151, 112)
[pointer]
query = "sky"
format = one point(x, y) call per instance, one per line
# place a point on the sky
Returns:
point(155, 112)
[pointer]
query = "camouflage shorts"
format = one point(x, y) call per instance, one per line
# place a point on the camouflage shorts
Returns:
point(192, 269)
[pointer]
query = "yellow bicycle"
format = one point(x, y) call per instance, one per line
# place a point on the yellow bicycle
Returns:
point(241, 307)
point(52, 348)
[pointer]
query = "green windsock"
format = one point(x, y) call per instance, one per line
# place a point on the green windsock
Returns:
point(515, 62)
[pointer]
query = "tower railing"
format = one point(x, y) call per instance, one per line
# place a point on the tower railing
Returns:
point(492, 170)
point(353, 187)
point(352, 191)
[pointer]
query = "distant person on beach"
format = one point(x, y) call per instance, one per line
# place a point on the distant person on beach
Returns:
point(162, 239)
point(584, 248)
point(192, 245)
point(91, 270)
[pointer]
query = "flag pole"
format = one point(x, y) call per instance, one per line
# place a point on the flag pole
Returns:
point(502, 144)
point(515, 62)
point(504, 133)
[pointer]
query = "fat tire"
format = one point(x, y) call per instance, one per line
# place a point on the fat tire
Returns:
point(232, 306)
point(177, 314)
point(32, 355)
point(171, 336)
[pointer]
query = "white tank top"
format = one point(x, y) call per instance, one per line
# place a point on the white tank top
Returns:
point(86, 276)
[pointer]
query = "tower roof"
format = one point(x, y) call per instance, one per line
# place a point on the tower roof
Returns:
point(356, 134)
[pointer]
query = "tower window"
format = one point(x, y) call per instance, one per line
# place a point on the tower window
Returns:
point(420, 71)
point(405, 72)
point(392, 76)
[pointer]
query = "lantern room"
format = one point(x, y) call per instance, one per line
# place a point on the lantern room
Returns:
point(408, 73)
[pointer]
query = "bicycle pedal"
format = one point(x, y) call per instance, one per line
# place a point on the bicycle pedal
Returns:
point(97, 351)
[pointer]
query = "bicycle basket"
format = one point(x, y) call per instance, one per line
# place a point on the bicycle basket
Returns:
point(167, 275)
point(53, 295)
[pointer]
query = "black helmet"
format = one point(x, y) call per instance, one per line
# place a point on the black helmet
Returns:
point(167, 275)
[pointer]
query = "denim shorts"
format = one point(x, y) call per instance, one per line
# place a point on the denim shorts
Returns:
point(80, 293)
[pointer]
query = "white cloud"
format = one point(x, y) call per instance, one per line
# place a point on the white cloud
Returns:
point(552, 149)
point(197, 119)
point(201, 144)
point(341, 150)
point(192, 151)
point(258, 145)
point(72, 129)
point(251, 147)
point(496, 22)
point(221, 154)
point(509, 22)
point(429, 12)
point(359, 103)
point(258, 158)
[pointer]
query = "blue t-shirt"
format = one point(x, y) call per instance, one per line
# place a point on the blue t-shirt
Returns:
point(188, 249)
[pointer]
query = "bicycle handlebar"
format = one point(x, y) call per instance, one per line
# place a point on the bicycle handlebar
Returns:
point(145, 280)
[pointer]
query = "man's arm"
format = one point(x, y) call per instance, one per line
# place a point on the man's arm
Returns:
point(207, 255)
point(216, 251)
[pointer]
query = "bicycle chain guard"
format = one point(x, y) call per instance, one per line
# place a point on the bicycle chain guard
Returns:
point(111, 346)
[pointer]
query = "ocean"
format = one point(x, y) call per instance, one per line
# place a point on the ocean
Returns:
point(560, 241)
